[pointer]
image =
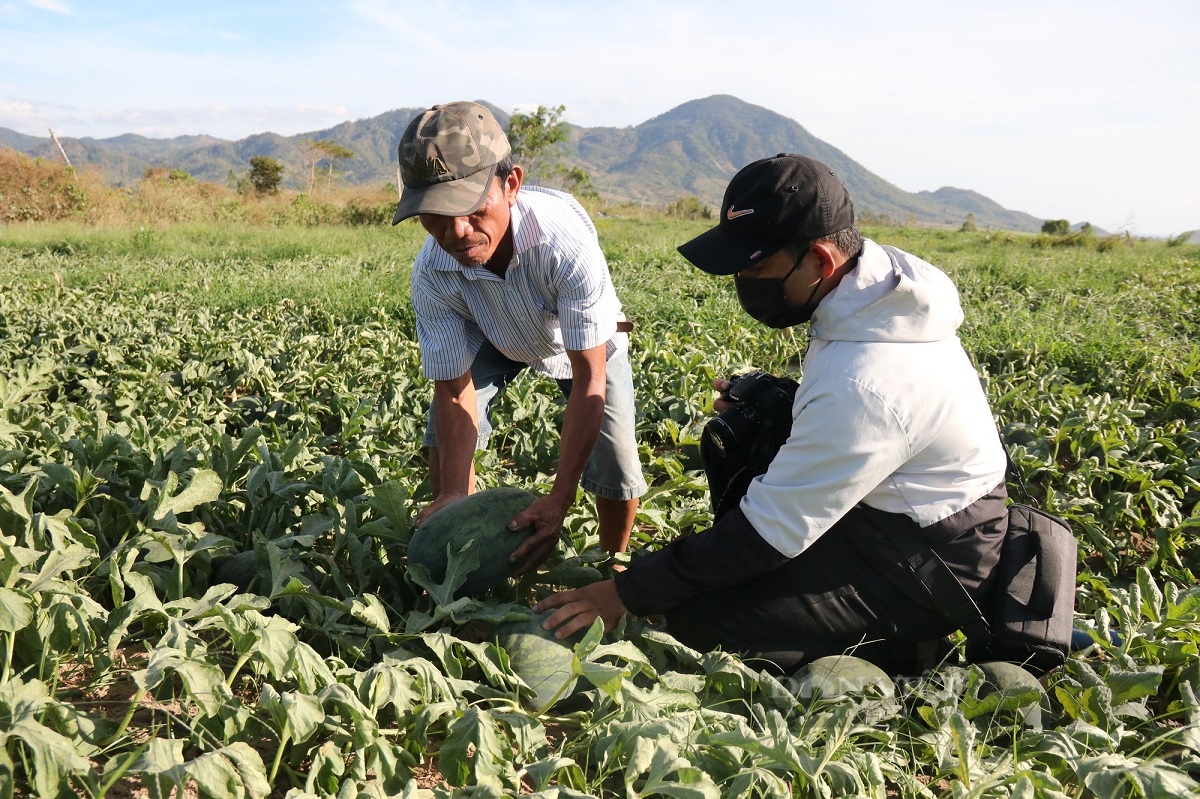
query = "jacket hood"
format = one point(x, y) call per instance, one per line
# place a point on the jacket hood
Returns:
point(889, 296)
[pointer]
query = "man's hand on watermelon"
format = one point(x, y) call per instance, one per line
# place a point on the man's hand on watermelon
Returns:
point(443, 499)
point(579, 607)
point(546, 515)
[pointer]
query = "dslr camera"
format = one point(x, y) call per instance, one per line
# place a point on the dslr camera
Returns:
point(739, 443)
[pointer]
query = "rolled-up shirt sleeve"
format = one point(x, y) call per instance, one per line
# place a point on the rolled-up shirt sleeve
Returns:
point(587, 305)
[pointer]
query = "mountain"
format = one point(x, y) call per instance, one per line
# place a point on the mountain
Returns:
point(694, 148)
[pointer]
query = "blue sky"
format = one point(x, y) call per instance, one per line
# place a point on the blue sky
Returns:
point(1082, 110)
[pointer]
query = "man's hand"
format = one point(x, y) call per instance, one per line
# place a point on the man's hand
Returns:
point(577, 609)
point(440, 501)
point(721, 404)
point(546, 515)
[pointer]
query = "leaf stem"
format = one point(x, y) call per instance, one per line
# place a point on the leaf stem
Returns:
point(133, 704)
point(284, 737)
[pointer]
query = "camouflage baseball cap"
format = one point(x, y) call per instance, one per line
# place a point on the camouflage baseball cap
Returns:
point(448, 155)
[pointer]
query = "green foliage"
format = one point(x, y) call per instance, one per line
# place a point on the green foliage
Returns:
point(176, 400)
point(360, 212)
point(689, 207)
point(969, 225)
point(265, 174)
point(1056, 227)
point(537, 142)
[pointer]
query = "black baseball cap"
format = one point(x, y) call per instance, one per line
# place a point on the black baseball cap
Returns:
point(767, 204)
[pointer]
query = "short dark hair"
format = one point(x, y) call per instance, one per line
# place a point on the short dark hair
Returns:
point(848, 240)
point(504, 167)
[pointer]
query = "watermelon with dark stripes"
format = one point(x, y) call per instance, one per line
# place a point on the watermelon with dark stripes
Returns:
point(482, 517)
point(542, 661)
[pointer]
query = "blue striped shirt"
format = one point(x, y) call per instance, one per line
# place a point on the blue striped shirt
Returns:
point(557, 294)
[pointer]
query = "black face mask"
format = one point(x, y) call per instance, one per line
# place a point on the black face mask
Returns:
point(762, 298)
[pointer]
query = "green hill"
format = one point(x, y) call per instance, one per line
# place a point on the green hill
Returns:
point(692, 149)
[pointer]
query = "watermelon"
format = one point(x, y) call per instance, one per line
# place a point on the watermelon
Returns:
point(542, 661)
point(844, 678)
point(840, 675)
point(483, 517)
point(240, 570)
point(1020, 692)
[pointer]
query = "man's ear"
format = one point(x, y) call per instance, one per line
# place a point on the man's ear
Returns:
point(512, 184)
point(828, 258)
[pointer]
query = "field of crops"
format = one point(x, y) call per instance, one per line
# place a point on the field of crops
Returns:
point(170, 398)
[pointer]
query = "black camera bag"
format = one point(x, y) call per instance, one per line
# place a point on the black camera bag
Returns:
point(1032, 612)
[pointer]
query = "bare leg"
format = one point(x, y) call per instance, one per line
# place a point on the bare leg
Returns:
point(615, 517)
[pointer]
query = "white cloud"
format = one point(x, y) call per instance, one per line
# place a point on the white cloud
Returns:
point(33, 118)
point(221, 120)
point(55, 6)
point(1045, 107)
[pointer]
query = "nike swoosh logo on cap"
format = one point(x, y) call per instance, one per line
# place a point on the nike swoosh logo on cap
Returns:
point(732, 214)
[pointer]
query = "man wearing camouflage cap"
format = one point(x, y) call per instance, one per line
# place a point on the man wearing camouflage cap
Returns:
point(511, 277)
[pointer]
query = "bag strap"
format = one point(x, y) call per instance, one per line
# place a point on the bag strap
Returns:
point(1014, 474)
point(944, 590)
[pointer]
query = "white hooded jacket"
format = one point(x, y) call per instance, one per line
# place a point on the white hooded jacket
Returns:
point(890, 411)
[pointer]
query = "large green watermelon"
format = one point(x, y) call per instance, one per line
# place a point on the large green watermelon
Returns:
point(839, 675)
point(483, 517)
point(1020, 693)
point(844, 678)
point(538, 658)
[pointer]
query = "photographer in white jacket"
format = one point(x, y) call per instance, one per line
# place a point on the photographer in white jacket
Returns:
point(891, 433)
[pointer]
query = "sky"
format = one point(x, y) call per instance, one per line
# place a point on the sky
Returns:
point(1087, 110)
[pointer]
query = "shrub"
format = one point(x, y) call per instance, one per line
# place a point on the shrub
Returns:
point(34, 190)
point(306, 211)
point(689, 207)
point(361, 212)
point(1056, 227)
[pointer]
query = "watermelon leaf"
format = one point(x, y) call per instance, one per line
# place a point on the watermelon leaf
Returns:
point(460, 564)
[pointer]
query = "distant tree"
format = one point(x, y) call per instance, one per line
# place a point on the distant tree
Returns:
point(265, 174)
point(538, 141)
point(1086, 229)
point(969, 226)
point(577, 181)
point(314, 151)
point(689, 207)
point(239, 183)
point(1056, 227)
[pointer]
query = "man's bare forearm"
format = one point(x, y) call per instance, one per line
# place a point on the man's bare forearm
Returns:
point(581, 420)
point(457, 428)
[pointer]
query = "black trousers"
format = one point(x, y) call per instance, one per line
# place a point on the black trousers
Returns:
point(846, 594)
